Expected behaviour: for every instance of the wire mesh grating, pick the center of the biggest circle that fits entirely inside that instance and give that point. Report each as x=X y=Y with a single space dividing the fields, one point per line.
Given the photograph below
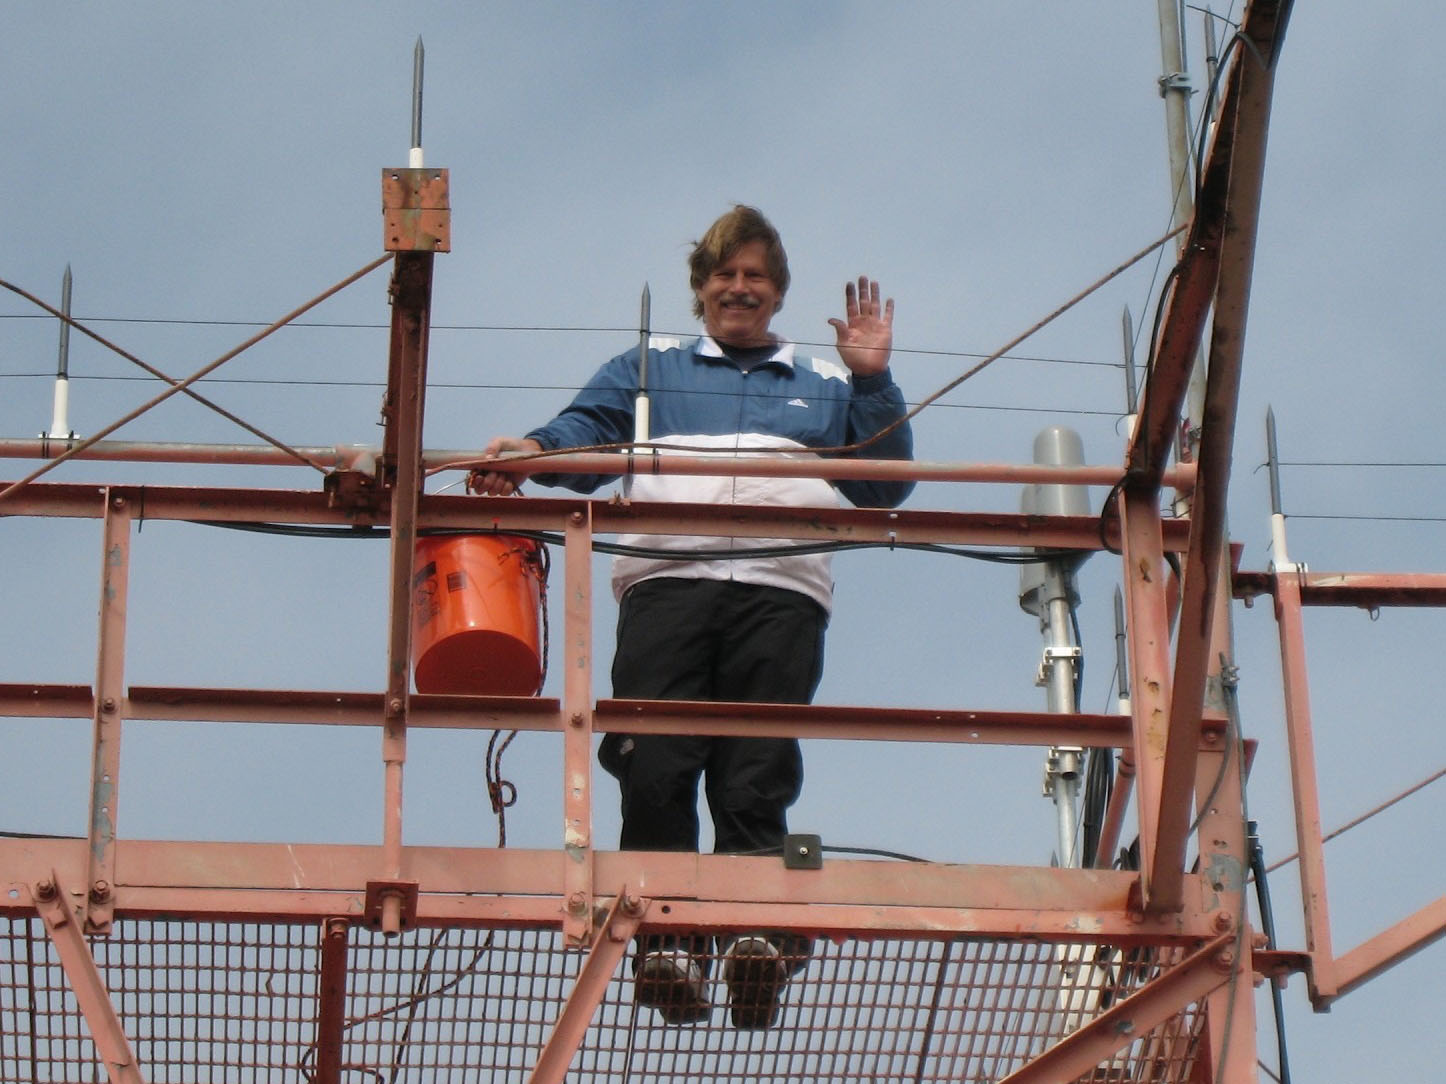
x=238 y=1002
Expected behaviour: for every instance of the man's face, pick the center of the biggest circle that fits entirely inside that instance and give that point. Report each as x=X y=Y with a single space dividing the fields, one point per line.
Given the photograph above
x=739 y=298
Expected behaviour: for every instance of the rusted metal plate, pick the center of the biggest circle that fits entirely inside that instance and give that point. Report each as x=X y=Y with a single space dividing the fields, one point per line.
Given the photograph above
x=416 y=211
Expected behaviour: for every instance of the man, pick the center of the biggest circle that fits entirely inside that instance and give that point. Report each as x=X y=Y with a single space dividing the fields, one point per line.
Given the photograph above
x=750 y=628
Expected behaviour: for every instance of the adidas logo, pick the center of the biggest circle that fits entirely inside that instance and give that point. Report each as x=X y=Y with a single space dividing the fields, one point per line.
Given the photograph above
x=798 y=402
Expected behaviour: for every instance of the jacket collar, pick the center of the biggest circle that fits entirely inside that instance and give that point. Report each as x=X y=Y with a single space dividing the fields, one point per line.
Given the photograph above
x=706 y=347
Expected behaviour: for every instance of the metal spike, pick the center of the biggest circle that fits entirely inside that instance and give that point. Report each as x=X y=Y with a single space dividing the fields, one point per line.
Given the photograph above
x=645 y=323
x=418 y=59
x=1272 y=460
x=1122 y=661
x=1131 y=391
x=63 y=369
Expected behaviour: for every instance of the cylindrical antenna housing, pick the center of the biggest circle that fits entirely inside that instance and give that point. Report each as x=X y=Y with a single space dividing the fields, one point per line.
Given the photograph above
x=1056 y=446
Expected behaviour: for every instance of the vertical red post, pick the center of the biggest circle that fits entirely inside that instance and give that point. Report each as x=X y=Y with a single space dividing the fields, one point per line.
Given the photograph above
x=415 y=209
x=331 y=1001
x=107 y=713
x=1304 y=787
x=577 y=725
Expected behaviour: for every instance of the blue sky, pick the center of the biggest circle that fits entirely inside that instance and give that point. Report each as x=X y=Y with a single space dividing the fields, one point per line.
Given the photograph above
x=983 y=161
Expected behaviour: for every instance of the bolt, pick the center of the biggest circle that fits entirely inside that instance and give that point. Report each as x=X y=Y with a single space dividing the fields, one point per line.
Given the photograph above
x=632 y=905
x=394 y=705
x=576 y=718
x=108 y=704
x=45 y=890
x=1211 y=737
x=117 y=502
x=577 y=517
x=100 y=892
x=577 y=903
x=1223 y=922
x=1225 y=960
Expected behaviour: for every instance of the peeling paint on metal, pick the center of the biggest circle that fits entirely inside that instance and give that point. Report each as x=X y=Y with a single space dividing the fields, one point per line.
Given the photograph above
x=298 y=875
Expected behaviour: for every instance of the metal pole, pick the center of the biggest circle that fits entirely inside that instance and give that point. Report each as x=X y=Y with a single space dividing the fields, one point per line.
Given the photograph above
x=1175 y=89
x=1062 y=770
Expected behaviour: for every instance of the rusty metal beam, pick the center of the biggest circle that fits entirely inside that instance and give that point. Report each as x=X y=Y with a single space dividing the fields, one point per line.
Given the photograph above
x=144 y=703
x=1388 y=948
x=108 y=711
x=1149 y=646
x=50 y=898
x=1206 y=561
x=331 y=1000
x=254 y=882
x=1366 y=590
x=577 y=727
x=417 y=224
x=901 y=527
x=1300 y=741
x=603 y=957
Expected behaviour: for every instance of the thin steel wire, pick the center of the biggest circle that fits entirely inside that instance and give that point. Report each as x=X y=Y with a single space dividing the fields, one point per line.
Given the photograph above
x=181 y=386
x=68 y=321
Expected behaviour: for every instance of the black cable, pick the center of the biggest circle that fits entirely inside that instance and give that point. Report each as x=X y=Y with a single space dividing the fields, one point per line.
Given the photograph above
x=1099 y=783
x=769 y=852
x=619 y=549
x=1267 y=920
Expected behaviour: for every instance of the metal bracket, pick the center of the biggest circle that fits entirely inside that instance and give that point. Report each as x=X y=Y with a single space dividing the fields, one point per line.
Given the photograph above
x=1051 y=657
x=802 y=852
x=1061 y=762
x=416 y=210
x=381 y=893
x=1176 y=81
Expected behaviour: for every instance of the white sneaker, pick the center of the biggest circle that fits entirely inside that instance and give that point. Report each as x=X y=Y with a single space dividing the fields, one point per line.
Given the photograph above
x=755 y=975
x=671 y=981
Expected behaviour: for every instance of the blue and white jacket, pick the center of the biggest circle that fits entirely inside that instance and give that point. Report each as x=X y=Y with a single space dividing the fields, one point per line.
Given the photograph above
x=698 y=397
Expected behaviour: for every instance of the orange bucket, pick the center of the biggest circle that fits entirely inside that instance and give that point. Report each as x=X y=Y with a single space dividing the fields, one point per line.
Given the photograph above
x=475 y=603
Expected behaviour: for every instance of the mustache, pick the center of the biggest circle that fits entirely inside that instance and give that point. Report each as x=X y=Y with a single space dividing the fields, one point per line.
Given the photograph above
x=745 y=300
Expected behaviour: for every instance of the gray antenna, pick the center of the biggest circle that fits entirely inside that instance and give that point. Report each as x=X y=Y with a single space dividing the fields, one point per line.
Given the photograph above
x=1212 y=53
x=1132 y=394
x=1272 y=460
x=1122 y=654
x=1279 y=557
x=59 y=421
x=419 y=55
x=641 y=421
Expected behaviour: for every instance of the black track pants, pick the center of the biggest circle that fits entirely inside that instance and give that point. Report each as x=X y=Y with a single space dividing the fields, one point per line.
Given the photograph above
x=711 y=640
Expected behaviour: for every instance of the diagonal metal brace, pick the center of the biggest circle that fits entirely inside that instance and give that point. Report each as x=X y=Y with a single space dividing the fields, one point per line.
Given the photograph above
x=604 y=954
x=63 y=926
x=1207 y=969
